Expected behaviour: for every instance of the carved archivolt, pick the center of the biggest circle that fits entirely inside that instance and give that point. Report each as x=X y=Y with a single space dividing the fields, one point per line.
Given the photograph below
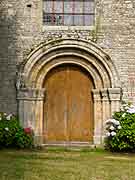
x=91 y=57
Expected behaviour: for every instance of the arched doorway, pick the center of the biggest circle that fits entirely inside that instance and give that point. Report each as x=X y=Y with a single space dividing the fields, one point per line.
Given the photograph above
x=68 y=106
x=51 y=62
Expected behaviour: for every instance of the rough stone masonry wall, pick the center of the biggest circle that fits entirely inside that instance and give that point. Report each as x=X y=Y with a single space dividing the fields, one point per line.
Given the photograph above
x=119 y=40
x=21 y=30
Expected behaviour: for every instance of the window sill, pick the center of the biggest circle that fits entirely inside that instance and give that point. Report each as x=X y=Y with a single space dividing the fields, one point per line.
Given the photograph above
x=66 y=28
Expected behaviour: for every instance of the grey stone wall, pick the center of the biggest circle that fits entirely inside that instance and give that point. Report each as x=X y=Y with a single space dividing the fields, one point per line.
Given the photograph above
x=21 y=30
x=118 y=25
x=8 y=58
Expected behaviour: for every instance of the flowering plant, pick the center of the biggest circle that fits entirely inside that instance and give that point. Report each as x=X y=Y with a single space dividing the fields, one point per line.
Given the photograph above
x=120 y=134
x=12 y=134
x=112 y=126
x=28 y=130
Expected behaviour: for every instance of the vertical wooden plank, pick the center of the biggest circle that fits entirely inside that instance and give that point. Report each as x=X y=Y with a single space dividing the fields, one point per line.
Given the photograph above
x=80 y=106
x=56 y=106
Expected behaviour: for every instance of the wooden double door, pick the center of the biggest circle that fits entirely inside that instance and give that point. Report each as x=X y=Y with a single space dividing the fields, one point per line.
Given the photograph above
x=68 y=106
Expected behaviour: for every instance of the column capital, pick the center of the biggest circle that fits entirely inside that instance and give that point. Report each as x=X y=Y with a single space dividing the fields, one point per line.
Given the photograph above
x=96 y=94
x=114 y=94
x=31 y=94
x=104 y=94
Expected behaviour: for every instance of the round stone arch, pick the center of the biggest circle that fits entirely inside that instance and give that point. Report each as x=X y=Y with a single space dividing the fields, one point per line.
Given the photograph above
x=94 y=60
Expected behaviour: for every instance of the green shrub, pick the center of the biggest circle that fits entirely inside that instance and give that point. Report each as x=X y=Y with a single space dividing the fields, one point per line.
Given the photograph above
x=121 y=130
x=23 y=140
x=12 y=134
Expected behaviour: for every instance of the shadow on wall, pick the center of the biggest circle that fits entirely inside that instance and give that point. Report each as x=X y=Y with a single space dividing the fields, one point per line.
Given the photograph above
x=8 y=53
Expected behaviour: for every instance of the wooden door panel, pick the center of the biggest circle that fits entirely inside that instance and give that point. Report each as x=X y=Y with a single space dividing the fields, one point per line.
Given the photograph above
x=56 y=106
x=80 y=121
x=68 y=113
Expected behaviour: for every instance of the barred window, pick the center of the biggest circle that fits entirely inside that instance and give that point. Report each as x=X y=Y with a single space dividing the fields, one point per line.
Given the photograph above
x=68 y=12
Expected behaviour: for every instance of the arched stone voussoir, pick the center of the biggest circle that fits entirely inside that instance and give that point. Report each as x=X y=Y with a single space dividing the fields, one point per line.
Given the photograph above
x=40 y=78
x=96 y=71
x=105 y=67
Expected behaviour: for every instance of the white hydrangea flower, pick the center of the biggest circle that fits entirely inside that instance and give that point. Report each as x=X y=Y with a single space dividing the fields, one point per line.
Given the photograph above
x=113 y=133
x=131 y=110
x=0 y=118
x=9 y=117
x=7 y=129
x=111 y=120
x=123 y=115
x=126 y=108
x=124 y=105
x=119 y=127
x=117 y=122
x=108 y=121
x=112 y=128
x=108 y=134
x=114 y=121
x=5 y=114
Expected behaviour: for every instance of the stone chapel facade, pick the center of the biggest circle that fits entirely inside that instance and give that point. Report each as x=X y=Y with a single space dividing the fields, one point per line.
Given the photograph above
x=65 y=66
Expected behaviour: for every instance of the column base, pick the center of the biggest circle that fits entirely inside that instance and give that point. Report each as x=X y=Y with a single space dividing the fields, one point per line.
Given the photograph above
x=38 y=140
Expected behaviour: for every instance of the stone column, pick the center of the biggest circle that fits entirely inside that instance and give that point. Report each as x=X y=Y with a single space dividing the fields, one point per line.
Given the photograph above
x=30 y=102
x=97 y=117
x=114 y=96
x=106 y=109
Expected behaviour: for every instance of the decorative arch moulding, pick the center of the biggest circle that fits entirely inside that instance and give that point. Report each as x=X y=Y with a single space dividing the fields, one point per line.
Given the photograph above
x=93 y=54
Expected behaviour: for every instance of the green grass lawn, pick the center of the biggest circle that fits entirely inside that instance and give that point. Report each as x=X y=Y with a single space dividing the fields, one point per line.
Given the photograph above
x=66 y=165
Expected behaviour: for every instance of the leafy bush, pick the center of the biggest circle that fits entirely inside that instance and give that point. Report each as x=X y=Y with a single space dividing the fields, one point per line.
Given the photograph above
x=12 y=134
x=120 y=134
x=23 y=140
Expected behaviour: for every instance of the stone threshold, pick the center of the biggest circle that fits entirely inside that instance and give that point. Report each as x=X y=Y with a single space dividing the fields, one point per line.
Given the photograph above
x=70 y=144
